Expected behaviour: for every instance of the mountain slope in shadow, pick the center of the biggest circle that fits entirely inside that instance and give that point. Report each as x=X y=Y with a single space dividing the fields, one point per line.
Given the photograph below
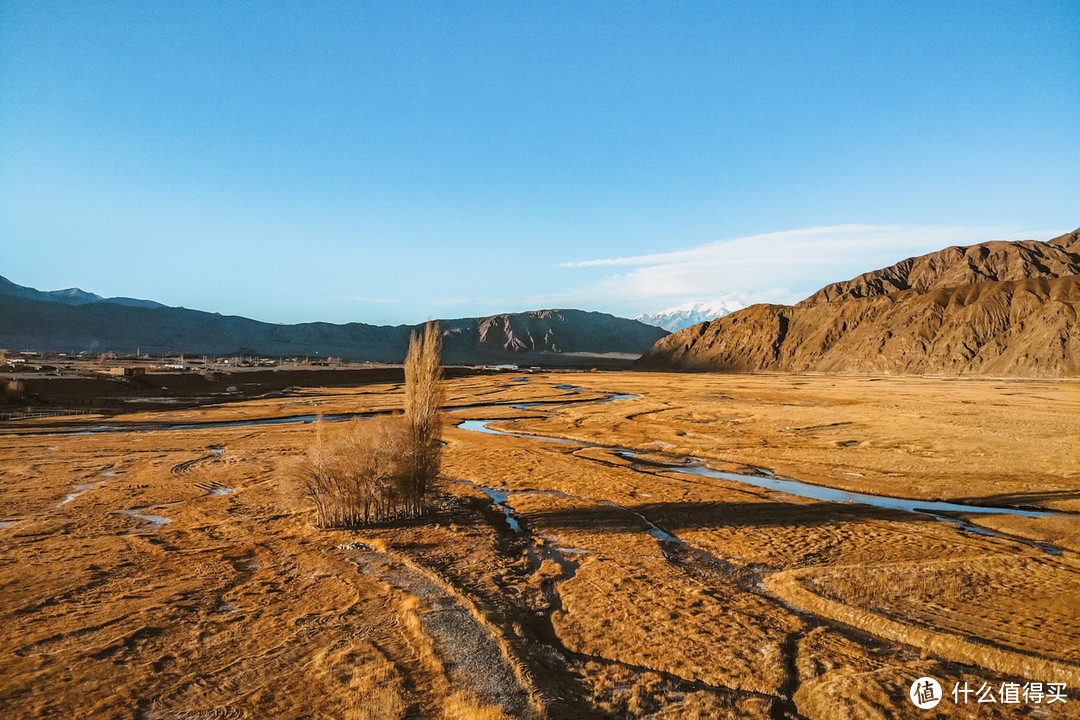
x=73 y=320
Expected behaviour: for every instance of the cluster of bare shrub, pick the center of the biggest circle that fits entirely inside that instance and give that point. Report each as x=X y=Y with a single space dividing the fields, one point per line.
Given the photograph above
x=383 y=468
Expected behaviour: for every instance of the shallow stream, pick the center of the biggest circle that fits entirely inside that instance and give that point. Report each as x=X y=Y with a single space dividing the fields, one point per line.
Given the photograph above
x=939 y=510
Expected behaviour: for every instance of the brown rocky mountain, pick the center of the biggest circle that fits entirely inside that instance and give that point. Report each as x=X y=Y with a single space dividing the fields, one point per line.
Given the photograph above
x=956 y=266
x=999 y=326
x=549 y=332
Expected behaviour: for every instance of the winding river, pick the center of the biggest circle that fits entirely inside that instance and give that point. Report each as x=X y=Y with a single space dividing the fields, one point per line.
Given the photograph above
x=692 y=466
x=937 y=509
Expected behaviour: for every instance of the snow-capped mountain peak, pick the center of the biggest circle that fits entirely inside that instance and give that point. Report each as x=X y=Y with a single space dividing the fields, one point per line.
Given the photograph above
x=691 y=313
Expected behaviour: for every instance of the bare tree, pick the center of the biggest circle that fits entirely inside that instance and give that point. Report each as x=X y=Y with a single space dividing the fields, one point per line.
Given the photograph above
x=424 y=397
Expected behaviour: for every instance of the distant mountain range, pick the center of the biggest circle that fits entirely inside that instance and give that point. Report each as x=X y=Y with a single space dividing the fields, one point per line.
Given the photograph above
x=74 y=320
x=996 y=308
x=689 y=314
x=70 y=296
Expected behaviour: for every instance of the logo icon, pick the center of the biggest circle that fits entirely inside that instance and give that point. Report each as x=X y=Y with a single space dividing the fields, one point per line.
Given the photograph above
x=925 y=693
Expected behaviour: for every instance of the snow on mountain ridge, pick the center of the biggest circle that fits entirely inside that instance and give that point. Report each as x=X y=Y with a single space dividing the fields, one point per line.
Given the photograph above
x=691 y=313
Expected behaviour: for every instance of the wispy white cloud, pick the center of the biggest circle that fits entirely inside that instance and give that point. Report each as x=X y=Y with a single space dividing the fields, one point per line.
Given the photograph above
x=779 y=267
x=360 y=298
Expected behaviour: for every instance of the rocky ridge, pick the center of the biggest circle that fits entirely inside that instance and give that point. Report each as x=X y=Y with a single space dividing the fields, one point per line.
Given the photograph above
x=997 y=308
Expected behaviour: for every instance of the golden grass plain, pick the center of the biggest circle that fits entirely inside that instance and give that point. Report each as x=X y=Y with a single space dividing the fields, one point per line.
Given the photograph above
x=769 y=605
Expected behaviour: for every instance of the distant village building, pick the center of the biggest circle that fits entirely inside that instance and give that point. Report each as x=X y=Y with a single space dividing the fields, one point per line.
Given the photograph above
x=127 y=371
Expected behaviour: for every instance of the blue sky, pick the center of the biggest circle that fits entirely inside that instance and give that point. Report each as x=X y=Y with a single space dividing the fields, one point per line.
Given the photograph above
x=390 y=162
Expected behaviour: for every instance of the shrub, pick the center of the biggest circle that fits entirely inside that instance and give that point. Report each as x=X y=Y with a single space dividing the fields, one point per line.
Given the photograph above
x=379 y=469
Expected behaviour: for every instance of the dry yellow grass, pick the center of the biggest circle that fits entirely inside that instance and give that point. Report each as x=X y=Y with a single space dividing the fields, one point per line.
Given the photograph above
x=463 y=706
x=378 y=691
x=238 y=606
x=1013 y=616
